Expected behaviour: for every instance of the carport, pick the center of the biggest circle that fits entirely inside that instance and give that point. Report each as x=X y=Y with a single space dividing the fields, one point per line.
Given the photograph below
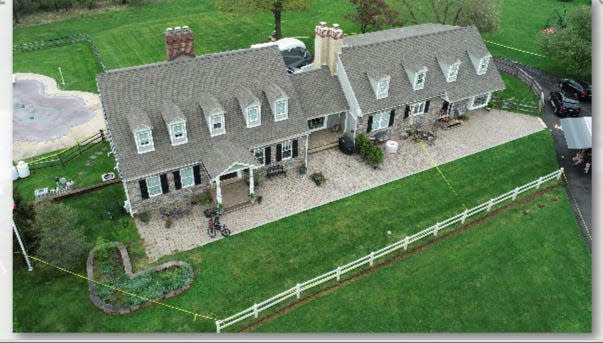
x=578 y=132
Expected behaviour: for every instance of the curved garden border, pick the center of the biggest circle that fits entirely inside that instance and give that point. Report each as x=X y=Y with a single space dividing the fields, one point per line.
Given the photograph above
x=123 y=309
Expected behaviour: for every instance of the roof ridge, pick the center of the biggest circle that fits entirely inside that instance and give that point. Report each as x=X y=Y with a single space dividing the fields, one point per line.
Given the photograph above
x=417 y=36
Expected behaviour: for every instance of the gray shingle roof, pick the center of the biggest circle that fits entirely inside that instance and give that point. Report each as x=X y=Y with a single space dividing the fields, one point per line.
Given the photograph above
x=184 y=81
x=273 y=92
x=395 y=50
x=137 y=118
x=170 y=111
x=245 y=97
x=209 y=104
x=319 y=92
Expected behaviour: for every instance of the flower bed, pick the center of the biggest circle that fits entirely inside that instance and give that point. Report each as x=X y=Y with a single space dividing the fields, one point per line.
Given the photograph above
x=119 y=291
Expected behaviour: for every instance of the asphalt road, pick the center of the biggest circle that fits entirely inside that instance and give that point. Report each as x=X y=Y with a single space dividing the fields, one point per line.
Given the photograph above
x=579 y=184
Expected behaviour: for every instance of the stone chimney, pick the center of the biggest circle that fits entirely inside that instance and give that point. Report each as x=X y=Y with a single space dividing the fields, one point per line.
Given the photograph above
x=179 y=41
x=321 y=44
x=335 y=45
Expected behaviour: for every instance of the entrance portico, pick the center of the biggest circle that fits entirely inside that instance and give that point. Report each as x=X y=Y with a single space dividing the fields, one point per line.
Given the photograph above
x=234 y=174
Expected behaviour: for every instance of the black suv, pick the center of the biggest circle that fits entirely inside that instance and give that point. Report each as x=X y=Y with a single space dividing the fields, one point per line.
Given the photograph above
x=564 y=104
x=581 y=89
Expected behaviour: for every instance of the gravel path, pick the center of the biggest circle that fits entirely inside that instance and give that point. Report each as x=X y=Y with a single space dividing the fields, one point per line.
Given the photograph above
x=346 y=175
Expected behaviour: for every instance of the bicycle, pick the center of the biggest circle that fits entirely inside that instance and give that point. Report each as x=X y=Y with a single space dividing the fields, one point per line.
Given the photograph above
x=214 y=226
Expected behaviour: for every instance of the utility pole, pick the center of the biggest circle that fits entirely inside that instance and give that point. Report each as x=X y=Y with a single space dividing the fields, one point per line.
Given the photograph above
x=29 y=267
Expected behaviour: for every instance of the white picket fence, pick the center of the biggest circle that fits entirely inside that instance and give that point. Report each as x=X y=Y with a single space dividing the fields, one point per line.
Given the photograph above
x=369 y=259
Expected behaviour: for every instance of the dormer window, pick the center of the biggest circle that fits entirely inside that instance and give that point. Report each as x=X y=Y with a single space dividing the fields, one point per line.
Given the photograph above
x=217 y=124
x=453 y=71
x=383 y=88
x=420 y=79
x=178 y=133
x=253 y=116
x=281 y=108
x=483 y=65
x=379 y=81
x=144 y=141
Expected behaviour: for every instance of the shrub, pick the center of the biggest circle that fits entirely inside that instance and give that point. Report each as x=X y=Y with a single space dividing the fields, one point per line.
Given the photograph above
x=204 y=198
x=375 y=155
x=23 y=215
x=369 y=151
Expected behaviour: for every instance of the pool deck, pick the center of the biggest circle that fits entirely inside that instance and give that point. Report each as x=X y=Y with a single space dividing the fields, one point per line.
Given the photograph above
x=23 y=149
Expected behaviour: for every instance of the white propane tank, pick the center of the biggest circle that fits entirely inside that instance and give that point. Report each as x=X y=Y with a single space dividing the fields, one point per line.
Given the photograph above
x=15 y=173
x=23 y=169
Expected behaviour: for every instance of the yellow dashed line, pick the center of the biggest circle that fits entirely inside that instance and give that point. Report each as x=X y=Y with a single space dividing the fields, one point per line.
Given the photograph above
x=516 y=49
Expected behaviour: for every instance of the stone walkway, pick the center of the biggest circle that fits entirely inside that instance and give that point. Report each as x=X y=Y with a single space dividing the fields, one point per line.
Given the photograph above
x=346 y=175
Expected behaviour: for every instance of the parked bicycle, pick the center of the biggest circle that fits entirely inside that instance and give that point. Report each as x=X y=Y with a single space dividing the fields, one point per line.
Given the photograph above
x=214 y=226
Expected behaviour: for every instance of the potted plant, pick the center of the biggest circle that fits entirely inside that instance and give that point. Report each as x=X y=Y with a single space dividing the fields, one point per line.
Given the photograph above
x=252 y=197
x=220 y=208
x=302 y=171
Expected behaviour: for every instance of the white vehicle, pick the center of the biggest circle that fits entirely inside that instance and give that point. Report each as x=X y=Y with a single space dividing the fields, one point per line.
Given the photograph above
x=294 y=53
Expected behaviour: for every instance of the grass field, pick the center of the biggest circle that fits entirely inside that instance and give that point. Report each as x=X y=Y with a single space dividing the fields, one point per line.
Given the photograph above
x=515 y=88
x=471 y=283
x=133 y=36
x=233 y=273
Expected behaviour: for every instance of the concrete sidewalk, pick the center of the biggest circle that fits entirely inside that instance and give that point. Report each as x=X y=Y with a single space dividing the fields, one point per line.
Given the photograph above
x=347 y=175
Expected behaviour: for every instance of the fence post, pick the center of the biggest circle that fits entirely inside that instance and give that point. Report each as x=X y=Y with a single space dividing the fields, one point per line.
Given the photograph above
x=61 y=160
x=490 y=205
x=255 y=310
x=464 y=217
x=515 y=193
x=437 y=228
x=561 y=171
x=297 y=290
x=79 y=148
x=539 y=182
x=338 y=273
x=102 y=134
x=406 y=242
x=218 y=328
x=372 y=258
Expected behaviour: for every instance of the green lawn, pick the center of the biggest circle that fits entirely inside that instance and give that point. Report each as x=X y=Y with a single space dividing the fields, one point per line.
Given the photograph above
x=85 y=170
x=515 y=88
x=233 y=273
x=513 y=273
x=133 y=36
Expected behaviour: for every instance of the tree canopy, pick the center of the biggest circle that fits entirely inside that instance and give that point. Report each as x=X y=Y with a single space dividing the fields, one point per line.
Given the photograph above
x=481 y=13
x=374 y=14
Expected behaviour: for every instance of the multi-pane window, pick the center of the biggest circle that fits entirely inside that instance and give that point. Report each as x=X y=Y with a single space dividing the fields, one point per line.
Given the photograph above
x=453 y=71
x=380 y=121
x=144 y=141
x=316 y=123
x=253 y=116
x=178 y=131
x=480 y=101
x=153 y=185
x=217 y=124
x=287 y=150
x=483 y=65
x=417 y=109
x=259 y=155
x=420 y=80
x=281 y=109
x=187 y=178
x=382 y=88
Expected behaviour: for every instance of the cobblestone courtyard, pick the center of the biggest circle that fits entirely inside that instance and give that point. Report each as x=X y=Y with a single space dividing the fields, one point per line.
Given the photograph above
x=347 y=175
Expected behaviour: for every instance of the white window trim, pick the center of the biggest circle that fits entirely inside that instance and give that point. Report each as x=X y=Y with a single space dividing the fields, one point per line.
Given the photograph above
x=452 y=77
x=290 y=143
x=154 y=177
x=483 y=68
x=324 y=124
x=383 y=118
x=259 y=111
x=146 y=148
x=385 y=93
x=418 y=105
x=417 y=86
x=222 y=130
x=283 y=116
x=192 y=177
x=471 y=106
x=181 y=140
x=255 y=152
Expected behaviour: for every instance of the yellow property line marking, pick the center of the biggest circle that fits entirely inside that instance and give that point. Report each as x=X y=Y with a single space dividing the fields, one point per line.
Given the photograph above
x=516 y=49
x=586 y=228
x=195 y=315
x=433 y=162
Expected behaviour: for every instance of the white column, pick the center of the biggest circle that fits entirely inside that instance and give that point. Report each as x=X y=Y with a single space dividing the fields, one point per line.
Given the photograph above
x=306 y=152
x=218 y=191
x=251 y=190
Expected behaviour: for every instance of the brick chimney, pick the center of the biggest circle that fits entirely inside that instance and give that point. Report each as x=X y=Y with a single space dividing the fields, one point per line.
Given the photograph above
x=335 y=45
x=321 y=44
x=179 y=41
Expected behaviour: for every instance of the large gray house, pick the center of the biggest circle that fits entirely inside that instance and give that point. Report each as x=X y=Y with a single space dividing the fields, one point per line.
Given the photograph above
x=180 y=127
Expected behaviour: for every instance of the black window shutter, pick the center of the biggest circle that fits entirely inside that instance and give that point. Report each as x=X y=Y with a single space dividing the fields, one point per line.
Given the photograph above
x=164 y=184
x=369 y=124
x=177 y=181
x=427 y=106
x=197 y=174
x=407 y=111
x=295 y=151
x=144 y=192
x=279 y=152
x=391 y=117
x=267 y=155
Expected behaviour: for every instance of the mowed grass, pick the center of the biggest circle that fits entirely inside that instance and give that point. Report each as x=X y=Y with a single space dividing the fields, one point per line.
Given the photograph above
x=232 y=274
x=512 y=273
x=133 y=36
x=515 y=88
